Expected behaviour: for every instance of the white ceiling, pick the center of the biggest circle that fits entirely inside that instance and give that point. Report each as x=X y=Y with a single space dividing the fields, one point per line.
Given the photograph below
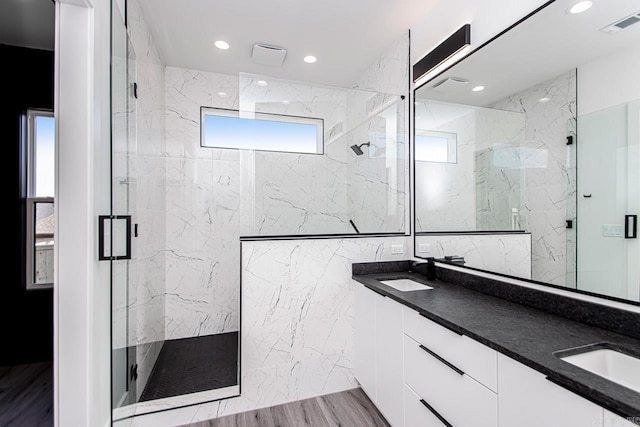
x=27 y=23
x=345 y=36
x=544 y=46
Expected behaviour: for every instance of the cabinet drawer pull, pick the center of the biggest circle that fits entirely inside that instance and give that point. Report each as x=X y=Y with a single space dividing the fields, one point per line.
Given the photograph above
x=442 y=324
x=434 y=412
x=442 y=360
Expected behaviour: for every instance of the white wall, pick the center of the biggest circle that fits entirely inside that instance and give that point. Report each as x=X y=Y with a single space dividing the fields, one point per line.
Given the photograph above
x=609 y=81
x=82 y=346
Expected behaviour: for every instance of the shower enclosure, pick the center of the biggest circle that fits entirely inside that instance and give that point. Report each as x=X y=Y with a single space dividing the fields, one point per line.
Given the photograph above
x=181 y=202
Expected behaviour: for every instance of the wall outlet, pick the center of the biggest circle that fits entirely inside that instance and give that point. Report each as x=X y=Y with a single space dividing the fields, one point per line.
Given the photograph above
x=612 y=230
x=424 y=248
x=397 y=249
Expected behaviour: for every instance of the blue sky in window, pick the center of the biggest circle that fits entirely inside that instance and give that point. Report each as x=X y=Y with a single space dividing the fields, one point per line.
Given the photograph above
x=431 y=148
x=45 y=166
x=256 y=134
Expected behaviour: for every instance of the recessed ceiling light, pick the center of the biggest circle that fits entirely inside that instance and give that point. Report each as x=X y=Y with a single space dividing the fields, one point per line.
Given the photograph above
x=478 y=88
x=261 y=83
x=545 y=99
x=580 y=7
x=286 y=102
x=310 y=59
x=222 y=94
x=220 y=44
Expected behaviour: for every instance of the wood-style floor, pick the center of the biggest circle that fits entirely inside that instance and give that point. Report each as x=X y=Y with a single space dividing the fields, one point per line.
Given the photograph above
x=351 y=408
x=26 y=395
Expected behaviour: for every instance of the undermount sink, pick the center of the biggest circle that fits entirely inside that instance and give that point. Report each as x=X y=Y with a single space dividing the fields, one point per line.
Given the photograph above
x=405 y=285
x=609 y=363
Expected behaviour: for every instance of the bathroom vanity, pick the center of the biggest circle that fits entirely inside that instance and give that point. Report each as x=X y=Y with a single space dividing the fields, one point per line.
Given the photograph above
x=458 y=355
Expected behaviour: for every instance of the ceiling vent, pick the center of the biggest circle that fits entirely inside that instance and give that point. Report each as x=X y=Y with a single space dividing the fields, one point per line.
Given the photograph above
x=264 y=54
x=622 y=24
x=451 y=83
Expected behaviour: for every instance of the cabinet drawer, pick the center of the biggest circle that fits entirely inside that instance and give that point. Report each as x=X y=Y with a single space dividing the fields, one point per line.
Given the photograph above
x=416 y=414
x=459 y=399
x=476 y=360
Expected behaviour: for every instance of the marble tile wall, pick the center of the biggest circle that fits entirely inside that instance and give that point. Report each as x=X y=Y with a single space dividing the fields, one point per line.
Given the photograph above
x=216 y=195
x=549 y=189
x=379 y=178
x=502 y=253
x=498 y=168
x=297 y=324
x=203 y=208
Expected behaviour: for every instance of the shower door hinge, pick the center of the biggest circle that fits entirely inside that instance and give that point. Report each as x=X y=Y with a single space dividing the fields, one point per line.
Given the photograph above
x=569 y=223
x=134 y=372
x=135 y=90
x=569 y=139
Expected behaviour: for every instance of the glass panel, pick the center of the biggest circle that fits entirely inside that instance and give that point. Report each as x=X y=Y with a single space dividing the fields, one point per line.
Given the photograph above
x=607 y=261
x=43 y=243
x=44 y=156
x=123 y=282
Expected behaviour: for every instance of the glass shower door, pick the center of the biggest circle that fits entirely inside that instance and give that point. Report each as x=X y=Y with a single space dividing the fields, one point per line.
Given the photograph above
x=119 y=228
x=609 y=201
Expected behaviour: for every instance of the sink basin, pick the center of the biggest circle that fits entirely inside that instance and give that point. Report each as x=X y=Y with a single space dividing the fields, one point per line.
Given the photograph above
x=611 y=364
x=405 y=285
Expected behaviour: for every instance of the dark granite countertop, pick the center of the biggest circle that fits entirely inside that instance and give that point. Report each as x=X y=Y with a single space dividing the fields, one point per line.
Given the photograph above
x=528 y=335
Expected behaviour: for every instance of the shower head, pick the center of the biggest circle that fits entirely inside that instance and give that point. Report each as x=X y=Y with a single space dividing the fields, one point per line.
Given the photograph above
x=358 y=150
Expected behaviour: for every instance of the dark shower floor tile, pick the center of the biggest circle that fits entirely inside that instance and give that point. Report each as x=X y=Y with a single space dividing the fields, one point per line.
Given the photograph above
x=190 y=365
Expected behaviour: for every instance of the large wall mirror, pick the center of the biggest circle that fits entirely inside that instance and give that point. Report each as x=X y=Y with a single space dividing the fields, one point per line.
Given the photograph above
x=527 y=152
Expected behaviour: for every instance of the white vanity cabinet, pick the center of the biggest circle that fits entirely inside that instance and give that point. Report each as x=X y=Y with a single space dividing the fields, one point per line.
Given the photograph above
x=422 y=374
x=378 y=352
x=527 y=399
x=451 y=376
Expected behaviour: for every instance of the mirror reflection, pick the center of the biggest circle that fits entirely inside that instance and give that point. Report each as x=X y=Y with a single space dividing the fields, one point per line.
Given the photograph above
x=526 y=153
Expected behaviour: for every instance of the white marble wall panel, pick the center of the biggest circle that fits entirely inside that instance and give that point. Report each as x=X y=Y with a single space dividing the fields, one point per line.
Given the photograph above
x=502 y=253
x=203 y=221
x=297 y=325
x=499 y=169
x=549 y=188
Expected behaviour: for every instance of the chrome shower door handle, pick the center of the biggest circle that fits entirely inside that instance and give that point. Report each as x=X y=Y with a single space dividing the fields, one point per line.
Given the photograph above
x=630 y=226
x=114 y=237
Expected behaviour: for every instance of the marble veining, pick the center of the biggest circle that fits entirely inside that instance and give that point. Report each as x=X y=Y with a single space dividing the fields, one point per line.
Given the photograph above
x=550 y=180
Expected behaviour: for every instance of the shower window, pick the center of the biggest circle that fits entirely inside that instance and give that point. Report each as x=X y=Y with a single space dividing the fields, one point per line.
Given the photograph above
x=432 y=146
x=40 y=184
x=222 y=128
